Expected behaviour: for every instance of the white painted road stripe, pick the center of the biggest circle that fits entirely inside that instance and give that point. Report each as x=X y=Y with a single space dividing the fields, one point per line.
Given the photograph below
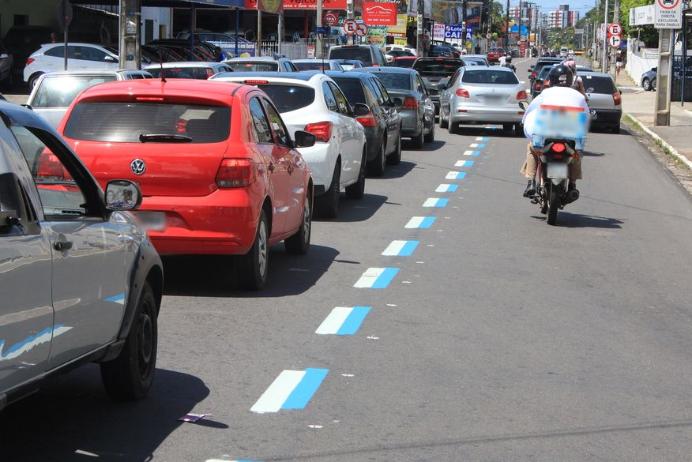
x=444 y=187
x=453 y=175
x=333 y=322
x=376 y=278
x=435 y=202
x=464 y=163
x=420 y=222
x=278 y=392
x=400 y=248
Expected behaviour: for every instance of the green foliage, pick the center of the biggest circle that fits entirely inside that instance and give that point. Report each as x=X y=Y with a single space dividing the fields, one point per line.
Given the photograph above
x=557 y=38
x=646 y=33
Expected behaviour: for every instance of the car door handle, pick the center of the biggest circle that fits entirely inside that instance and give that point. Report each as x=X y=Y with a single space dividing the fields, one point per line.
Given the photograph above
x=61 y=245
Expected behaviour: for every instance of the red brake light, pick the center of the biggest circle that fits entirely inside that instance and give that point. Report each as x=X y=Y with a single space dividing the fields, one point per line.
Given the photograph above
x=521 y=96
x=558 y=147
x=617 y=98
x=463 y=92
x=149 y=98
x=321 y=130
x=29 y=61
x=367 y=120
x=49 y=166
x=410 y=103
x=235 y=173
x=256 y=82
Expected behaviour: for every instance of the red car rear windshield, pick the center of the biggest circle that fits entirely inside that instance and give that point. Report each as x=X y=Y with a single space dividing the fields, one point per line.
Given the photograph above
x=125 y=122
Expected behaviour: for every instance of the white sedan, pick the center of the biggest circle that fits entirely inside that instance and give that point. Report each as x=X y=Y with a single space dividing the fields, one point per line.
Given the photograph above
x=313 y=102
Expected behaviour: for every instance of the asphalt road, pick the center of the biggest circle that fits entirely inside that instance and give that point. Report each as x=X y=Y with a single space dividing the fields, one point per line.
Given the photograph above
x=499 y=338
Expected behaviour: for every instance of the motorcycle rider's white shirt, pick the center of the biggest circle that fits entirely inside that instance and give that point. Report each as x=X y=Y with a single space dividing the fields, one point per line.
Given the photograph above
x=553 y=96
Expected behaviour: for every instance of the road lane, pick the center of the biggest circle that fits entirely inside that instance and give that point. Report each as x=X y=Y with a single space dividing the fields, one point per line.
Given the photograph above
x=498 y=338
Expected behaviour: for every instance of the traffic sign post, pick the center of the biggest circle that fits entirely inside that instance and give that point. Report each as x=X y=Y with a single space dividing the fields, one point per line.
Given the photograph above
x=361 y=30
x=614 y=41
x=350 y=27
x=331 y=19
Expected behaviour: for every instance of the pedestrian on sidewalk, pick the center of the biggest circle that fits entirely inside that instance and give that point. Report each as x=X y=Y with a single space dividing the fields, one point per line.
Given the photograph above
x=618 y=63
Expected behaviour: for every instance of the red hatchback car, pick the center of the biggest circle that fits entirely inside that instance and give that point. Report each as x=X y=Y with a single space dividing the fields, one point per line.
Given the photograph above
x=217 y=167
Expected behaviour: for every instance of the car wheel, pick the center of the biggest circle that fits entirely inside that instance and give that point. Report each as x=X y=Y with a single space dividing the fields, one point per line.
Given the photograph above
x=419 y=139
x=443 y=120
x=453 y=128
x=430 y=137
x=299 y=243
x=646 y=84
x=129 y=376
x=508 y=128
x=33 y=79
x=615 y=129
x=357 y=189
x=518 y=129
x=395 y=157
x=328 y=203
x=377 y=165
x=254 y=265
x=653 y=85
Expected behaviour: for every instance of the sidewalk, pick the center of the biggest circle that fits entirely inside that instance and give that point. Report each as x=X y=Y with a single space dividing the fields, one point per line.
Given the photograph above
x=639 y=105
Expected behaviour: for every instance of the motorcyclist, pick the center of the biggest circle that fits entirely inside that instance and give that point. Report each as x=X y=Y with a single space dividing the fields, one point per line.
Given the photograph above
x=559 y=94
x=577 y=82
x=508 y=63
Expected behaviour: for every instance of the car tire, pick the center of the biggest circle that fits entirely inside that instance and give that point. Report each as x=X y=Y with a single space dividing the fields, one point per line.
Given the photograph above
x=646 y=84
x=453 y=128
x=357 y=189
x=395 y=157
x=653 y=85
x=419 y=139
x=328 y=203
x=615 y=129
x=518 y=129
x=129 y=376
x=430 y=137
x=299 y=243
x=508 y=129
x=33 y=79
x=254 y=265
x=443 y=121
x=377 y=165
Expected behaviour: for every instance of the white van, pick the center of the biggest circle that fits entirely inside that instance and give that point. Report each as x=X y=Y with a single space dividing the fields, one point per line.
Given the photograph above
x=564 y=52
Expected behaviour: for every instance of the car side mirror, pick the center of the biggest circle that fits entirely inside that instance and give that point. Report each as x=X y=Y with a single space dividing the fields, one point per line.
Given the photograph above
x=304 y=139
x=360 y=109
x=110 y=59
x=122 y=195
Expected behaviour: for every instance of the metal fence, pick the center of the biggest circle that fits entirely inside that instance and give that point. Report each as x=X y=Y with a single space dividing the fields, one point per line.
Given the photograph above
x=681 y=68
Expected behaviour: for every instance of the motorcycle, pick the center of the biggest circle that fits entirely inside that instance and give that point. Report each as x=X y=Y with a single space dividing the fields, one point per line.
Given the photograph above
x=552 y=192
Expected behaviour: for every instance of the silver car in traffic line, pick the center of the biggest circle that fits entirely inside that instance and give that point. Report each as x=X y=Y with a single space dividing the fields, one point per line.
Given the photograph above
x=79 y=279
x=482 y=95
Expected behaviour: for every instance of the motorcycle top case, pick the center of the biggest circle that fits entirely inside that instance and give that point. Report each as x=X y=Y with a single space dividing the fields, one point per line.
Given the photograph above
x=561 y=123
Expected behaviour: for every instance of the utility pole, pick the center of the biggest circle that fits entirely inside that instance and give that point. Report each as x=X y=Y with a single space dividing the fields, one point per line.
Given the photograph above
x=663 y=78
x=318 y=44
x=419 y=29
x=604 y=66
x=258 y=45
x=507 y=27
x=130 y=54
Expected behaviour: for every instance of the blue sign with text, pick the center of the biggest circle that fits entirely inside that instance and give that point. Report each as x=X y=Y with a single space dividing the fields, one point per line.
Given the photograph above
x=454 y=31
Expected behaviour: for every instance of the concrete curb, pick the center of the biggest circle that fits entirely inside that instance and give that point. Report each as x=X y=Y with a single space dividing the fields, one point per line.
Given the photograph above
x=674 y=152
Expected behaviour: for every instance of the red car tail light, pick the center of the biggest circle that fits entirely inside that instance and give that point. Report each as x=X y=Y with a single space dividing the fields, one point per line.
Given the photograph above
x=321 y=130
x=367 y=120
x=235 y=173
x=410 y=103
x=29 y=61
x=617 y=98
x=521 y=96
x=256 y=82
x=50 y=167
x=463 y=92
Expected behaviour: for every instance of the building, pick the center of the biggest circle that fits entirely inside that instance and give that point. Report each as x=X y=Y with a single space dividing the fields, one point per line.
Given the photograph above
x=561 y=18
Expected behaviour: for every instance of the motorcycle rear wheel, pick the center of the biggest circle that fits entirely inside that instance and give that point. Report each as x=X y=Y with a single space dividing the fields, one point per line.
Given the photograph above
x=555 y=193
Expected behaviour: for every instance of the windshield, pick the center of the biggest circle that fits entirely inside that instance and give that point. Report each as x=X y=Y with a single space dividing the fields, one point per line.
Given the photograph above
x=199 y=73
x=125 y=122
x=359 y=53
x=437 y=67
x=393 y=81
x=289 y=97
x=253 y=66
x=352 y=89
x=60 y=91
x=312 y=66
x=598 y=84
x=489 y=76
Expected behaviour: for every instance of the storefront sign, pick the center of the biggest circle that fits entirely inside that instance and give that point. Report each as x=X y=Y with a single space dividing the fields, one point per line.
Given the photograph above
x=379 y=14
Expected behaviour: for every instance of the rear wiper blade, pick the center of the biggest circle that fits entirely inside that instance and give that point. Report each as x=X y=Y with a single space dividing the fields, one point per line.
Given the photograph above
x=173 y=138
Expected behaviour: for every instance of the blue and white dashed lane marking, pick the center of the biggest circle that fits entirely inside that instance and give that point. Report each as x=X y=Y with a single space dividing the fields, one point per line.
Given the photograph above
x=472 y=153
x=290 y=390
x=420 y=223
x=234 y=460
x=454 y=175
x=343 y=320
x=376 y=278
x=477 y=145
x=482 y=138
x=436 y=202
x=400 y=248
x=444 y=187
x=463 y=163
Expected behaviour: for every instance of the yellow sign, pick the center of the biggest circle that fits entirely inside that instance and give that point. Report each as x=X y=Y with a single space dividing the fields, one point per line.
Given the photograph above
x=400 y=28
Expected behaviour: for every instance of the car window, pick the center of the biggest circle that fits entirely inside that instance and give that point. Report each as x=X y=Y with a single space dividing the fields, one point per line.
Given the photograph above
x=61 y=197
x=288 y=97
x=56 y=52
x=383 y=92
x=375 y=89
x=128 y=122
x=437 y=67
x=277 y=125
x=260 y=122
x=420 y=87
x=395 y=81
x=360 y=53
x=198 y=73
x=94 y=54
x=253 y=66
x=329 y=98
x=341 y=100
x=489 y=76
x=353 y=90
x=60 y=91
x=598 y=84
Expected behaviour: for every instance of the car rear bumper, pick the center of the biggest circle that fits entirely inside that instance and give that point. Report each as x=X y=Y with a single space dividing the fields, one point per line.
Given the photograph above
x=221 y=223
x=462 y=114
x=409 y=123
x=606 y=117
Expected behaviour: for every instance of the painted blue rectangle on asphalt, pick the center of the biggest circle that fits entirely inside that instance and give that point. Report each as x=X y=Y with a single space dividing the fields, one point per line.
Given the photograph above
x=408 y=248
x=385 y=278
x=301 y=395
x=354 y=320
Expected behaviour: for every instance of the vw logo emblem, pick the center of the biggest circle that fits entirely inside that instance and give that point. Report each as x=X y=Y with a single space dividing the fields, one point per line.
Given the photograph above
x=138 y=166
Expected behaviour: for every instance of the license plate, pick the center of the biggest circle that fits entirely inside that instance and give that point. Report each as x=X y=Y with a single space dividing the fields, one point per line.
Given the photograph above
x=557 y=170
x=152 y=221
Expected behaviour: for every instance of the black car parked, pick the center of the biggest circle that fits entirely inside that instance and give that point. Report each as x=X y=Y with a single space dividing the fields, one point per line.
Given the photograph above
x=382 y=122
x=436 y=71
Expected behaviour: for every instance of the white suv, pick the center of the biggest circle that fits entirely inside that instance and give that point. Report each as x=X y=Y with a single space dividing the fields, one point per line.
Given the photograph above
x=313 y=102
x=80 y=56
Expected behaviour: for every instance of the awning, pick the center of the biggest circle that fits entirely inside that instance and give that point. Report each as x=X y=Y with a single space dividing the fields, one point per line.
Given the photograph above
x=172 y=3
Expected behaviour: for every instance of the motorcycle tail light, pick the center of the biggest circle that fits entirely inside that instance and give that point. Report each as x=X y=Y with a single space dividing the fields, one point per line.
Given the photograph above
x=235 y=173
x=367 y=120
x=463 y=92
x=558 y=148
x=410 y=103
x=321 y=130
x=617 y=98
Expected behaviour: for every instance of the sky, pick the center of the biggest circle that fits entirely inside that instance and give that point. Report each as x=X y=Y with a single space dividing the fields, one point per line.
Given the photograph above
x=547 y=5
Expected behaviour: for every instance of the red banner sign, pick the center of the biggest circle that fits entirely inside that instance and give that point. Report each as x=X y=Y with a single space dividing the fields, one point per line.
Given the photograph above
x=303 y=4
x=379 y=14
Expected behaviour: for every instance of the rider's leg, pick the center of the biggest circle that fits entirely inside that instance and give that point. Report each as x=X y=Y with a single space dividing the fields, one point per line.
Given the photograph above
x=529 y=171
